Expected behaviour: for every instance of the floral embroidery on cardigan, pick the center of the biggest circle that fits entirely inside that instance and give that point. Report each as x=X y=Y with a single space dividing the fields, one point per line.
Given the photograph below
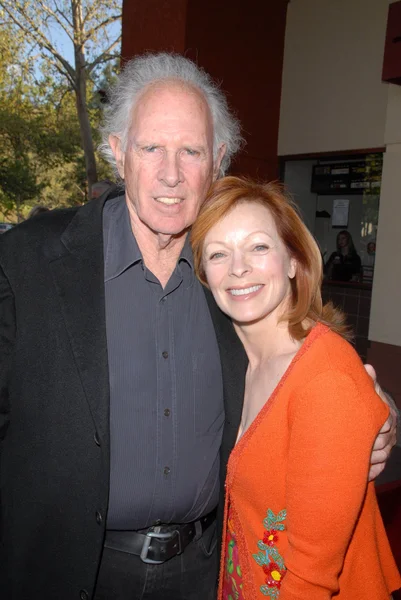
x=233 y=585
x=269 y=557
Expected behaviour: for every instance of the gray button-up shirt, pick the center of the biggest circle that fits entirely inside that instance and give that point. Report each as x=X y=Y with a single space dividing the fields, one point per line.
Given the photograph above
x=166 y=392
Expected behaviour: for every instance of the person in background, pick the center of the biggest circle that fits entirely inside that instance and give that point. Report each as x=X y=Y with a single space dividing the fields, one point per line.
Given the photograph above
x=121 y=381
x=368 y=262
x=371 y=249
x=37 y=210
x=100 y=187
x=301 y=520
x=344 y=264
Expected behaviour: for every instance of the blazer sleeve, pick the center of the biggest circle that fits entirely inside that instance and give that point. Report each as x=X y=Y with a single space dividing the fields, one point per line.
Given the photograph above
x=333 y=423
x=7 y=337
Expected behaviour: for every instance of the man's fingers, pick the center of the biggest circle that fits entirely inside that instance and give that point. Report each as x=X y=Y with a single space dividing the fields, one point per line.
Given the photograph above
x=371 y=372
x=375 y=471
x=388 y=433
x=380 y=456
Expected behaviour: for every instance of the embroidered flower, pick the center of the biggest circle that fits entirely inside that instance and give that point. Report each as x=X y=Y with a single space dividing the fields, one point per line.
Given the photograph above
x=269 y=557
x=274 y=575
x=270 y=537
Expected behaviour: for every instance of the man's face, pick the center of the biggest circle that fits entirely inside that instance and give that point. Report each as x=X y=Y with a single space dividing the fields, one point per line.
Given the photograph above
x=168 y=162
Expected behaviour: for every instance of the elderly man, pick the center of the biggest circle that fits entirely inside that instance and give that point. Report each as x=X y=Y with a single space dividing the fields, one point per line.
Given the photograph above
x=115 y=364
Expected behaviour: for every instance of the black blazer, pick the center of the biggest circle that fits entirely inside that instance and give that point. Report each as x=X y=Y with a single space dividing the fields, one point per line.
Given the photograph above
x=54 y=404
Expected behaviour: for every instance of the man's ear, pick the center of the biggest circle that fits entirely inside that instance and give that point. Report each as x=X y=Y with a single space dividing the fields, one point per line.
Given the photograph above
x=217 y=162
x=119 y=155
x=292 y=268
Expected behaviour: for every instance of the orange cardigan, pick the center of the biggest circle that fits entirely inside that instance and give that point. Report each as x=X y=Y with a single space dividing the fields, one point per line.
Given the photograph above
x=297 y=484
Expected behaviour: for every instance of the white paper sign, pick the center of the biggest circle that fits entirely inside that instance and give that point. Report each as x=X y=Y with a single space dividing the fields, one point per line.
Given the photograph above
x=340 y=213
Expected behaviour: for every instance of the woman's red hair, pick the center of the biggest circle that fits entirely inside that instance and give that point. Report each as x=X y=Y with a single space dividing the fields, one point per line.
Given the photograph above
x=306 y=302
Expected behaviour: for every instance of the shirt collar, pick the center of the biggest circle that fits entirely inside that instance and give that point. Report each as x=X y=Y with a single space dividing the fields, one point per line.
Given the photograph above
x=121 y=249
x=186 y=253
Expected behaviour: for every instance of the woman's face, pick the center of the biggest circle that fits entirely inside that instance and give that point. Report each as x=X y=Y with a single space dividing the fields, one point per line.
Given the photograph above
x=342 y=240
x=247 y=266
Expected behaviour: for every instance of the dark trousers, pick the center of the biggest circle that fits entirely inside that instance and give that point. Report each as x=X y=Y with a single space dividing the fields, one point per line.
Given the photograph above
x=190 y=576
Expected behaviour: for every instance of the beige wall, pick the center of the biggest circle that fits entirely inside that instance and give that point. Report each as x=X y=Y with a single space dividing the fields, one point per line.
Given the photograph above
x=332 y=94
x=385 y=320
x=333 y=100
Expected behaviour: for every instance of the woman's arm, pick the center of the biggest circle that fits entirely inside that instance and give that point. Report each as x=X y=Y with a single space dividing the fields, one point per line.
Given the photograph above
x=333 y=425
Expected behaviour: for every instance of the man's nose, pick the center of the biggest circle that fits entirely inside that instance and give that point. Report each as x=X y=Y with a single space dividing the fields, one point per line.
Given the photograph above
x=239 y=265
x=170 y=170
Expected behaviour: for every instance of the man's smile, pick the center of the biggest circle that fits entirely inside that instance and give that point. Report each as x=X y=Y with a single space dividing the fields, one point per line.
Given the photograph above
x=167 y=200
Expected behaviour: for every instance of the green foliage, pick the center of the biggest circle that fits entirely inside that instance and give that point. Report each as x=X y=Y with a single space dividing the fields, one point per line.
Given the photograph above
x=41 y=131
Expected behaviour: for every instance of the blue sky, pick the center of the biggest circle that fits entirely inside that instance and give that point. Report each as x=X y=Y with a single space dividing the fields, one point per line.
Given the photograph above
x=64 y=45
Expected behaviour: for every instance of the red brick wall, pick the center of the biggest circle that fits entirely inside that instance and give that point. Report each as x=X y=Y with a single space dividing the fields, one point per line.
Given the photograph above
x=239 y=43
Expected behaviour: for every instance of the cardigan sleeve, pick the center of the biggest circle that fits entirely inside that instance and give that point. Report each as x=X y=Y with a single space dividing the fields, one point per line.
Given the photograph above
x=333 y=423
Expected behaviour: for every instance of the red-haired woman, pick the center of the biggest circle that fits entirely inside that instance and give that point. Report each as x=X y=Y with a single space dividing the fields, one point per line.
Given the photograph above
x=301 y=521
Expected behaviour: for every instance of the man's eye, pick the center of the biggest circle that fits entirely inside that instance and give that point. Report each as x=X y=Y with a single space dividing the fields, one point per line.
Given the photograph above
x=150 y=149
x=191 y=152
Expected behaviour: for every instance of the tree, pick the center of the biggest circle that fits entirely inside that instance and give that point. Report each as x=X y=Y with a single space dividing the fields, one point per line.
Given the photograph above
x=41 y=158
x=18 y=173
x=88 y=26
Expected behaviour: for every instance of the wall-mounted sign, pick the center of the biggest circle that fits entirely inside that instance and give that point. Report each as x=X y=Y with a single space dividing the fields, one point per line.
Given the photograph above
x=353 y=177
x=339 y=217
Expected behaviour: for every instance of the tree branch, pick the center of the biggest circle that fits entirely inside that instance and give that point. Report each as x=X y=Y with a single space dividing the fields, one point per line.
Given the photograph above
x=101 y=25
x=62 y=14
x=39 y=38
x=51 y=13
x=103 y=60
x=91 y=11
x=59 y=68
x=104 y=57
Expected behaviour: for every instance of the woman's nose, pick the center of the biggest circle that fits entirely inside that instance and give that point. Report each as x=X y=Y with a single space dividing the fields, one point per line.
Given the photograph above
x=239 y=265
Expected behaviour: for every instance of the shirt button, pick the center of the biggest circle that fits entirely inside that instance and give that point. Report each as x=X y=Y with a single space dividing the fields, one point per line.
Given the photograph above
x=99 y=518
x=166 y=470
x=83 y=594
x=166 y=412
x=165 y=354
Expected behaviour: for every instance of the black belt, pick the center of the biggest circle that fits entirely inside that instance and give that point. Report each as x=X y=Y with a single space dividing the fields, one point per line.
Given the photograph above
x=159 y=543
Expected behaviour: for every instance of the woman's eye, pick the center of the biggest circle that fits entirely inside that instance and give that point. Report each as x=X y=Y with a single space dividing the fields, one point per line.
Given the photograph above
x=216 y=255
x=261 y=247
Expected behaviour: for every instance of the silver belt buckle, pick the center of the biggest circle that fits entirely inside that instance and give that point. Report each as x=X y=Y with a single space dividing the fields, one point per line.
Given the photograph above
x=162 y=536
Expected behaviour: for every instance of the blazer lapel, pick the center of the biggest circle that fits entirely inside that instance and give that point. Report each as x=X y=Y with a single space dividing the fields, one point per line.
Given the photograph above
x=78 y=275
x=234 y=364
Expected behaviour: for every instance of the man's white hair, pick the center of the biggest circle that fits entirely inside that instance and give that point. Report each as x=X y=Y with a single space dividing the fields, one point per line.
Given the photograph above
x=144 y=70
